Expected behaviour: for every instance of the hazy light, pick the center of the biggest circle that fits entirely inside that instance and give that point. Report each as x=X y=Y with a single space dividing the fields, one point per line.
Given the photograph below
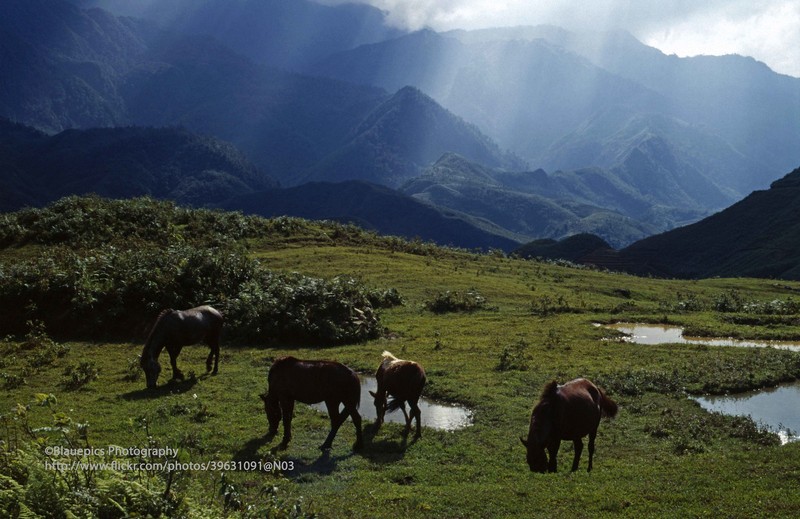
x=764 y=29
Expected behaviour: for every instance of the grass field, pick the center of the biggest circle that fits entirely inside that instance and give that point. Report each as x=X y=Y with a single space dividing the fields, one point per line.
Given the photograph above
x=663 y=456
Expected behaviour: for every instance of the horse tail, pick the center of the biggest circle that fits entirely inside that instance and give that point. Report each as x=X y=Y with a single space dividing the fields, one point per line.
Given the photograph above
x=608 y=407
x=394 y=404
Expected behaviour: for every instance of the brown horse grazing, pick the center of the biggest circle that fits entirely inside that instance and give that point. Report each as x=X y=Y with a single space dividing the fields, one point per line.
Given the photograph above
x=403 y=380
x=567 y=412
x=175 y=329
x=310 y=382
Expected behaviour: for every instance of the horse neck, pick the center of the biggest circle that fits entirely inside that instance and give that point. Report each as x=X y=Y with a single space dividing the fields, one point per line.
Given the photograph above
x=155 y=341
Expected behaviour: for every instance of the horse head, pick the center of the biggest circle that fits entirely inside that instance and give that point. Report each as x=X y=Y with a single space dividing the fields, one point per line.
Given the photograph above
x=151 y=369
x=538 y=437
x=272 y=409
x=380 y=406
x=536 y=457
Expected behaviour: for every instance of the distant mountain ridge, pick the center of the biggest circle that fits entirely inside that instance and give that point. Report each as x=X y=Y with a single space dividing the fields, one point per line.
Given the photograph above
x=758 y=236
x=566 y=100
x=121 y=163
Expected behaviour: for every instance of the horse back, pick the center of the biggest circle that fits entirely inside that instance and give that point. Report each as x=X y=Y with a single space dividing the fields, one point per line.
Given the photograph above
x=311 y=381
x=577 y=409
x=402 y=379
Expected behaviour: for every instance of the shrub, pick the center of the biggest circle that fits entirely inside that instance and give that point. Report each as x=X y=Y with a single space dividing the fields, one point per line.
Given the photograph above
x=448 y=301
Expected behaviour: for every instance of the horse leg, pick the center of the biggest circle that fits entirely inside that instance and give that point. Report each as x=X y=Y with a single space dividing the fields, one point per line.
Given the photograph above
x=416 y=413
x=337 y=419
x=357 y=423
x=173 y=361
x=406 y=417
x=552 y=450
x=578 y=450
x=592 y=436
x=287 y=411
x=213 y=343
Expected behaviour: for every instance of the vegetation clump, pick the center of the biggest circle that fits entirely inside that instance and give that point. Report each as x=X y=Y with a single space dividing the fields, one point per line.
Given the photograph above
x=456 y=301
x=135 y=272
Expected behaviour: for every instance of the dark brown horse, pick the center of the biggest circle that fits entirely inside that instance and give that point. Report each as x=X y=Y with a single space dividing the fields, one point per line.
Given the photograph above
x=403 y=380
x=567 y=412
x=175 y=329
x=310 y=382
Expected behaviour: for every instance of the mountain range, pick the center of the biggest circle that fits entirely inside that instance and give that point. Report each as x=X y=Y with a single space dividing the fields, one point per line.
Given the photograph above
x=516 y=133
x=758 y=236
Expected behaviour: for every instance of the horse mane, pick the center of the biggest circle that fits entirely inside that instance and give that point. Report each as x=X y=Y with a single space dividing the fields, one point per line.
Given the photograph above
x=388 y=359
x=152 y=334
x=549 y=392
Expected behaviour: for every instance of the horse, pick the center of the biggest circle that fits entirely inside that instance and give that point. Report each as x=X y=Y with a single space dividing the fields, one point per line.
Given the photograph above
x=310 y=382
x=175 y=329
x=403 y=380
x=567 y=412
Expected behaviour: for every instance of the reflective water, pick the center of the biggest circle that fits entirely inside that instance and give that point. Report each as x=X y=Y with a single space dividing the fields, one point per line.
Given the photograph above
x=777 y=408
x=662 y=334
x=440 y=416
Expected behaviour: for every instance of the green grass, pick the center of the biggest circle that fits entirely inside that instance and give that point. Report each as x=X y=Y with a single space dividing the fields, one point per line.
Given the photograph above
x=662 y=456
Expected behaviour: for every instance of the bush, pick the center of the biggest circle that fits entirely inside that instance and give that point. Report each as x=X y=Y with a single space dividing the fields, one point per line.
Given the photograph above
x=110 y=292
x=468 y=301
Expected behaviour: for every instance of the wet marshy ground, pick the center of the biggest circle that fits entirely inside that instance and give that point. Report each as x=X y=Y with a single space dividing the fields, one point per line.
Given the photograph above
x=776 y=408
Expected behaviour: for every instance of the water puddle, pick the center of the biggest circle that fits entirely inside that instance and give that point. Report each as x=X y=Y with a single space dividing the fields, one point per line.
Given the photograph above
x=445 y=417
x=776 y=408
x=662 y=334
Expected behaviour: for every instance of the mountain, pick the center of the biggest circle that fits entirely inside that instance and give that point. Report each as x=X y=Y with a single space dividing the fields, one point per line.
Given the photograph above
x=372 y=207
x=403 y=135
x=294 y=127
x=564 y=100
x=758 y=236
x=537 y=204
x=576 y=248
x=289 y=34
x=120 y=163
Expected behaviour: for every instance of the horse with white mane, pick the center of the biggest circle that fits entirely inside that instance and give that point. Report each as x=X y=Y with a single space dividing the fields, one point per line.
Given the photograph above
x=403 y=380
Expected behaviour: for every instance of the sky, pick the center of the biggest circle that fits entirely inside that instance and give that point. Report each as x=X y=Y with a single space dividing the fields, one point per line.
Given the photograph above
x=767 y=30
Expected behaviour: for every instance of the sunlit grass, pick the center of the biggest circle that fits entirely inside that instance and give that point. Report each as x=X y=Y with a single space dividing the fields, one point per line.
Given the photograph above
x=663 y=455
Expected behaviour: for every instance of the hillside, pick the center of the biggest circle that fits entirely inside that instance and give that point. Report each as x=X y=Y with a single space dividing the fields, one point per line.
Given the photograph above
x=566 y=100
x=759 y=236
x=541 y=205
x=290 y=34
x=376 y=208
x=121 y=162
x=402 y=136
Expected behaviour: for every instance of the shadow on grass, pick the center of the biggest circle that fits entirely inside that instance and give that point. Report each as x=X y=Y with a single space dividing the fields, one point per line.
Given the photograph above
x=171 y=387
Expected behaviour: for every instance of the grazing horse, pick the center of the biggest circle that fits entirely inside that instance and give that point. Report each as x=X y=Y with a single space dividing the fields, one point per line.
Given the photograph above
x=310 y=382
x=567 y=412
x=175 y=329
x=403 y=380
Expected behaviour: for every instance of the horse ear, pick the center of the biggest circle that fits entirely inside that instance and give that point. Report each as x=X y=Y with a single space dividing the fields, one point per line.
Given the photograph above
x=524 y=442
x=373 y=394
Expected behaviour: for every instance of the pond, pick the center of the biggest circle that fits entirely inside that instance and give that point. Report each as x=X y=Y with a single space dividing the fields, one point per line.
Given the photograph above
x=663 y=334
x=777 y=408
x=442 y=416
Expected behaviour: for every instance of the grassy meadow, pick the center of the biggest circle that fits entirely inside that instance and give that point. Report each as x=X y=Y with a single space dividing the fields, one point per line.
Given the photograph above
x=525 y=323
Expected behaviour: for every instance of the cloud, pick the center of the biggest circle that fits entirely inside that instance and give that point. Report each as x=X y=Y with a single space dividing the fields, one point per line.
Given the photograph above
x=764 y=29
